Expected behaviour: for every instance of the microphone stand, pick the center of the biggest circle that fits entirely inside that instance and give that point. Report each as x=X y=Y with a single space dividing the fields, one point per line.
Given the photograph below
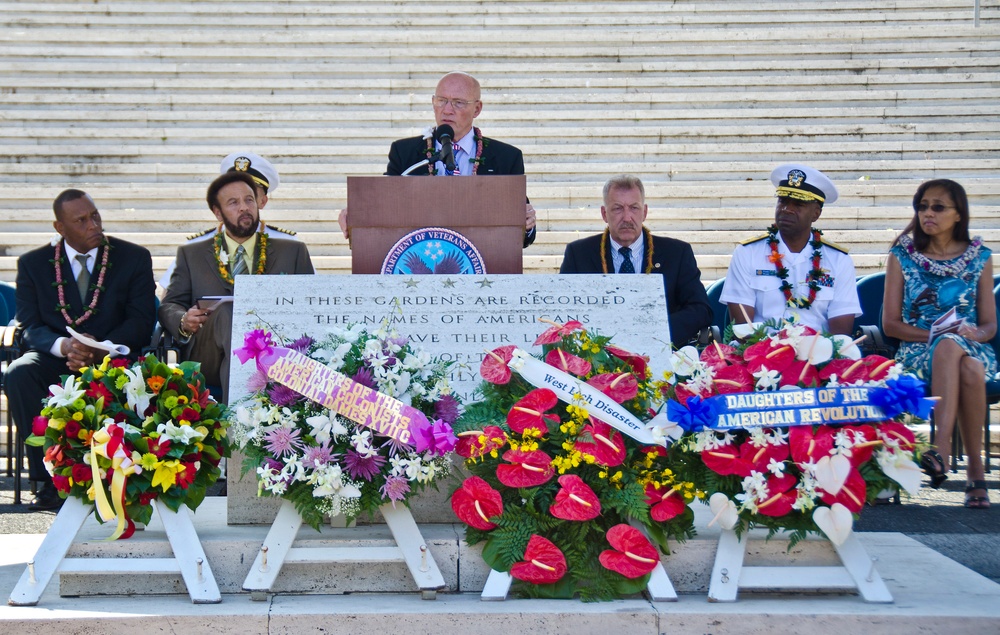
x=419 y=164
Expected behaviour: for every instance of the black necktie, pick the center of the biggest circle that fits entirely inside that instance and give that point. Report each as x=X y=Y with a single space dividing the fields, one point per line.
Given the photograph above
x=627 y=262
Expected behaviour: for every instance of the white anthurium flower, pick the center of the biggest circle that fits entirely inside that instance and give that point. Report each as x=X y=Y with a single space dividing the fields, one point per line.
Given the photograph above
x=65 y=394
x=135 y=391
x=815 y=349
x=179 y=434
x=747 y=329
x=848 y=348
x=900 y=468
x=685 y=362
x=724 y=511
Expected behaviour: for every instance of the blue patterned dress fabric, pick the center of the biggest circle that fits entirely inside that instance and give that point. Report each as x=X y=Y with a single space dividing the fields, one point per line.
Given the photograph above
x=930 y=289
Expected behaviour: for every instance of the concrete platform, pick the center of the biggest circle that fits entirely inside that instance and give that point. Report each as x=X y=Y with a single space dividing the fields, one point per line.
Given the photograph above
x=932 y=592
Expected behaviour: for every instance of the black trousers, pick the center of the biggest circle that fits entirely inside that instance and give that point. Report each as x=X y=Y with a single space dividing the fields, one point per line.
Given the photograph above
x=26 y=382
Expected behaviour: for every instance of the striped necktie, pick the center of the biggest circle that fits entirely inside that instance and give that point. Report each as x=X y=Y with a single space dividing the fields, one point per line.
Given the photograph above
x=239 y=266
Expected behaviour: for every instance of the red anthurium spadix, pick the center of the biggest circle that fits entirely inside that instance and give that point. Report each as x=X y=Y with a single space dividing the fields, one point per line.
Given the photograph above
x=809 y=446
x=494 y=367
x=780 y=496
x=529 y=411
x=556 y=332
x=619 y=386
x=878 y=366
x=758 y=458
x=665 y=502
x=525 y=469
x=475 y=502
x=865 y=441
x=799 y=373
x=567 y=362
x=892 y=432
x=847 y=371
x=601 y=441
x=543 y=562
x=469 y=446
x=633 y=555
x=575 y=500
x=851 y=495
x=683 y=392
x=637 y=362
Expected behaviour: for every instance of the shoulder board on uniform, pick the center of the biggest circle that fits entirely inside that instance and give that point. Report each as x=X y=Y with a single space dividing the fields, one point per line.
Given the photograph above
x=832 y=245
x=279 y=229
x=200 y=234
x=750 y=241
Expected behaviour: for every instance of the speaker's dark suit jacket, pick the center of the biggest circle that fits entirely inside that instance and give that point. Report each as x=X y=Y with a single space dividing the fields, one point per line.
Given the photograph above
x=687 y=302
x=498 y=158
x=126 y=313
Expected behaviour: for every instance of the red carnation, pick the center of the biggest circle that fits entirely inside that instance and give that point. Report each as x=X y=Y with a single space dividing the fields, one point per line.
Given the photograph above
x=575 y=500
x=468 y=442
x=567 y=362
x=556 y=332
x=494 y=367
x=525 y=469
x=475 y=502
x=82 y=473
x=543 y=562
x=637 y=362
x=665 y=502
x=633 y=555
x=607 y=445
x=619 y=386
x=529 y=411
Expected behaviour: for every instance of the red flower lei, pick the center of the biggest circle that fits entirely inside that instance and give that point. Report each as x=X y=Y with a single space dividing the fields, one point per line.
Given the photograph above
x=91 y=309
x=815 y=273
x=477 y=137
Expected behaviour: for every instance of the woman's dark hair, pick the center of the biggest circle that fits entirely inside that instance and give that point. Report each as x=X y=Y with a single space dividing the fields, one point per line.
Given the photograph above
x=960 y=231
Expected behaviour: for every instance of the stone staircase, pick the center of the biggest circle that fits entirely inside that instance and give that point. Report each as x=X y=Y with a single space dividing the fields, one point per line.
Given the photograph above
x=137 y=102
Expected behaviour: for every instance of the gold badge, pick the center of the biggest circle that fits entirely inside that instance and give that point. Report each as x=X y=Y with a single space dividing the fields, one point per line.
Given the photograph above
x=241 y=164
x=796 y=178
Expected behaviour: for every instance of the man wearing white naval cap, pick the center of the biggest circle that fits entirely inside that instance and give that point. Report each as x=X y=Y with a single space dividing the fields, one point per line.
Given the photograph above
x=266 y=181
x=791 y=271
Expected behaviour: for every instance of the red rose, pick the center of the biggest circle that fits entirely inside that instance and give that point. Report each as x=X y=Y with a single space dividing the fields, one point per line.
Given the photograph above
x=72 y=429
x=190 y=414
x=82 y=473
x=119 y=362
x=38 y=425
x=61 y=482
x=146 y=497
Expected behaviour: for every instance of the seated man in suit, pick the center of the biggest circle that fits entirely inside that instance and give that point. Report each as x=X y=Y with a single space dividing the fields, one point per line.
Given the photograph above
x=626 y=246
x=775 y=276
x=99 y=286
x=457 y=103
x=266 y=181
x=208 y=267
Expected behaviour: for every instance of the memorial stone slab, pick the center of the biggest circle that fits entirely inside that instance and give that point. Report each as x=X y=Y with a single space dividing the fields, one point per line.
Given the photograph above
x=457 y=318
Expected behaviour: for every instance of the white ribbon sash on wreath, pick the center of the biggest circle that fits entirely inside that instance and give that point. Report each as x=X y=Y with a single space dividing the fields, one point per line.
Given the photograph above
x=572 y=390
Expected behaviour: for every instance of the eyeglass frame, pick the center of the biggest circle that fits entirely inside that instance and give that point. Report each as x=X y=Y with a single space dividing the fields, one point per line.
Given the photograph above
x=937 y=208
x=457 y=104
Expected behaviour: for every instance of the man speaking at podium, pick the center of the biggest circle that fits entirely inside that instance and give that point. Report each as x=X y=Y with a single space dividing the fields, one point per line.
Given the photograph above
x=456 y=103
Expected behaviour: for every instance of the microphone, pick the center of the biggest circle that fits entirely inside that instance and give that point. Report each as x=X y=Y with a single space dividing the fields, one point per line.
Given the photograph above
x=444 y=135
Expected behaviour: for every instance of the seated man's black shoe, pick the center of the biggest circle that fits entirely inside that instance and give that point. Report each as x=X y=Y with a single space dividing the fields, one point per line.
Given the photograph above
x=46 y=500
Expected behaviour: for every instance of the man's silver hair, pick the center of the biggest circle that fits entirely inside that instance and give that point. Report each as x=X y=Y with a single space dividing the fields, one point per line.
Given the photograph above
x=624 y=182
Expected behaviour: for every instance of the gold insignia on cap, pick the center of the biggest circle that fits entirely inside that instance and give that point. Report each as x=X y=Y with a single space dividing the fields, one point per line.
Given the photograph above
x=242 y=164
x=796 y=178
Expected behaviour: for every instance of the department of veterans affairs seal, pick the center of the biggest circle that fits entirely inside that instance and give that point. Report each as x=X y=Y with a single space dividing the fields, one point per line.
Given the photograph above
x=433 y=250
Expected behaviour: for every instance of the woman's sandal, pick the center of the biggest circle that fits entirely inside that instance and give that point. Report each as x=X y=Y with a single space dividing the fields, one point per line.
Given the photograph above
x=976 y=502
x=933 y=466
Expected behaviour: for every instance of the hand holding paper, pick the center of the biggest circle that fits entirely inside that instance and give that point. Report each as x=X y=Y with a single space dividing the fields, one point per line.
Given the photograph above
x=107 y=345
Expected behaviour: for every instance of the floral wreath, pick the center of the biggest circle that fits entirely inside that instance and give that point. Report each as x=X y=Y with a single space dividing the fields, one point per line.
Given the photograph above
x=120 y=436
x=556 y=494
x=803 y=478
x=324 y=463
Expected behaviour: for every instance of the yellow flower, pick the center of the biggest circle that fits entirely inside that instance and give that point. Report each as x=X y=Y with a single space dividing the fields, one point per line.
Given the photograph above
x=148 y=461
x=166 y=474
x=77 y=416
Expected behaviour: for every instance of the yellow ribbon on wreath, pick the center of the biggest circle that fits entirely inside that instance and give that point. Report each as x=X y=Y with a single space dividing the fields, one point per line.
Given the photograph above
x=107 y=442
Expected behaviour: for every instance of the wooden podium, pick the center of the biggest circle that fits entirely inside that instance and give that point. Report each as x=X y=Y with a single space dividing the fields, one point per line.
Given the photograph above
x=489 y=211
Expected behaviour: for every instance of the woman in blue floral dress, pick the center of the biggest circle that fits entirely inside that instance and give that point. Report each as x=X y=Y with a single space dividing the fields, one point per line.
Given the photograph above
x=935 y=266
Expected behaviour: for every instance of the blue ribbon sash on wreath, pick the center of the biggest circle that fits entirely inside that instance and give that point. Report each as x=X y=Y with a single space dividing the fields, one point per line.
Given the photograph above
x=840 y=405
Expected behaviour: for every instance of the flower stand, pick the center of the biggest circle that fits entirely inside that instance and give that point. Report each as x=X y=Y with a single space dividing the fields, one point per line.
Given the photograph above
x=856 y=572
x=189 y=558
x=277 y=550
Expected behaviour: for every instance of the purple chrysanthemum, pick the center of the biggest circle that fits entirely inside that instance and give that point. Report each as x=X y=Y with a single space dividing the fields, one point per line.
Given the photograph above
x=316 y=457
x=257 y=381
x=363 y=467
x=365 y=377
x=282 y=441
x=283 y=396
x=446 y=409
x=397 y=447
x=302 y=344
x=395 y=489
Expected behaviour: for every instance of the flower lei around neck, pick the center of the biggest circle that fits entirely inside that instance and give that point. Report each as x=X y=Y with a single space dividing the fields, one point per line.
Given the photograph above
x=477 y=137
x=98 y=287
x=649 y=251
x=222 y=257
x=954 y=266
x=815 y=273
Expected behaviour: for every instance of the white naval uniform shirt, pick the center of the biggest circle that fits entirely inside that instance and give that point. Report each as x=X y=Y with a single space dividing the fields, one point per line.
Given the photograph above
x=753 y=280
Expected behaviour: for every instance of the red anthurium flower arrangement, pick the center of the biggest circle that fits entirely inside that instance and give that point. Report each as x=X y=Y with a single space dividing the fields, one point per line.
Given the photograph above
x=565 y=476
